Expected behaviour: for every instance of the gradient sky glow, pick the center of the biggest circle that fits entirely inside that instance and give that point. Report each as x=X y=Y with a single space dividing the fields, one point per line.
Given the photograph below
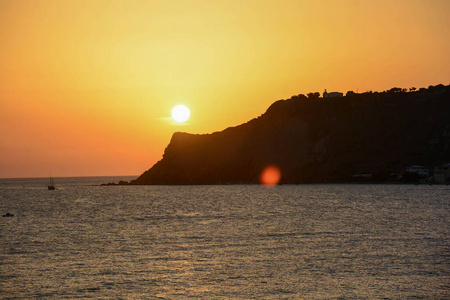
x=87 y=86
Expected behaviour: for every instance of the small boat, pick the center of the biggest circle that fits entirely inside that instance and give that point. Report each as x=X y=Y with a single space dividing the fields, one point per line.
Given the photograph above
x=8 y=215
x=51 y=185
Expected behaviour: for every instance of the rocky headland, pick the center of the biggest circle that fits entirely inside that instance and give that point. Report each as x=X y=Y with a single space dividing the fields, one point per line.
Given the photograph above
x=373 y=135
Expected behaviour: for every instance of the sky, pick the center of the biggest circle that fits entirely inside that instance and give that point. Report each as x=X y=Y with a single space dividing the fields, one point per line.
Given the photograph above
x=87 y=86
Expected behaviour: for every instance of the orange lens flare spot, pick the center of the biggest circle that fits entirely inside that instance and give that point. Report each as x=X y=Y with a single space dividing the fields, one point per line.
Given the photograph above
x=271 y=175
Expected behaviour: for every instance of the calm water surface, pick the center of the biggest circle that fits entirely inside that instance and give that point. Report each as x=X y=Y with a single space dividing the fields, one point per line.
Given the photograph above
x=222 y=242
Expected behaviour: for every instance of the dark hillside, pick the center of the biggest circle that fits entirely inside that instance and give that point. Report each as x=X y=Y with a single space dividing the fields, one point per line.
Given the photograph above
x=317 y=140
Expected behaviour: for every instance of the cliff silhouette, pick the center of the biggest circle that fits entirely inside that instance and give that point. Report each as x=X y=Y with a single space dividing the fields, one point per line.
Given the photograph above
x=317 y=140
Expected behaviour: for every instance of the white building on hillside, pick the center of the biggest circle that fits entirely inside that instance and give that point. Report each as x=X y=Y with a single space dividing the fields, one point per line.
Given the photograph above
x=332 y=94
x=442 y=173
x=419 y=170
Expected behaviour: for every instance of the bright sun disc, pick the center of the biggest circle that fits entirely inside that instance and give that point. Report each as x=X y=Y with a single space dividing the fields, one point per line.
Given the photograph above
x=180 y=113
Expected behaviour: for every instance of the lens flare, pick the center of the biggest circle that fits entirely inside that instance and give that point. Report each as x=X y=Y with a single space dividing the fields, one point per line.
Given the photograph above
x=271 y=175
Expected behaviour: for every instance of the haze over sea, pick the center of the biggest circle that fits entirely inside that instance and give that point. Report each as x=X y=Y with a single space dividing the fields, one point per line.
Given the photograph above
x=221 y=242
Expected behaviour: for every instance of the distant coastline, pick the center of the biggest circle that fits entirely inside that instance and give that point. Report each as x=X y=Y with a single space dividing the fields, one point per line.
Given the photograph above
x=398 y=135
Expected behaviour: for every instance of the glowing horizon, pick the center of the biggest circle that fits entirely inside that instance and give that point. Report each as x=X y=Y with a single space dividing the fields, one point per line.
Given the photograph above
x=87 y=87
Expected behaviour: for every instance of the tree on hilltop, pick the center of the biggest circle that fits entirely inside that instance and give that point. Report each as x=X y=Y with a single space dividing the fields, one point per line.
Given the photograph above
x=315 y=95
x=395 y=90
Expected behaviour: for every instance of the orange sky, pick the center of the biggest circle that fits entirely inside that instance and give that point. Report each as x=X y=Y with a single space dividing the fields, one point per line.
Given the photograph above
x=87 y=87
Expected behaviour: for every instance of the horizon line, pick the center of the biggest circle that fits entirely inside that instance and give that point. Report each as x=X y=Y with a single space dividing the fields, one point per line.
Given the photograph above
x=39 y=177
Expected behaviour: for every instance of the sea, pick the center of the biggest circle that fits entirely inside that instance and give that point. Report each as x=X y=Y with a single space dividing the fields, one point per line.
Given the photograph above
x=325 y=241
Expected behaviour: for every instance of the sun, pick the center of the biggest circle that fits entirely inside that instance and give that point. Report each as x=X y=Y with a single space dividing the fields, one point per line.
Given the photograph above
x=180 y=113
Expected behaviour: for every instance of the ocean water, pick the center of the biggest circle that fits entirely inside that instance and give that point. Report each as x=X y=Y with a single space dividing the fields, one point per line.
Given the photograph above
x=223 y=242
